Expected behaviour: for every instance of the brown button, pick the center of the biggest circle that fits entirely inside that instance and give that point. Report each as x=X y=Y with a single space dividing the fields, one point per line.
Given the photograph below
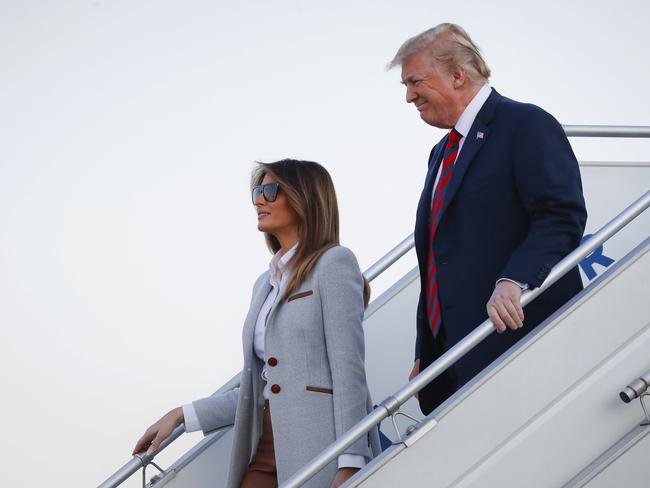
x=275 y=388
x=272 y=362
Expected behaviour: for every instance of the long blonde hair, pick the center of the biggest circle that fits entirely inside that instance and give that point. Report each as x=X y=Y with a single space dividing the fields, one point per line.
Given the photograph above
x=310 y=192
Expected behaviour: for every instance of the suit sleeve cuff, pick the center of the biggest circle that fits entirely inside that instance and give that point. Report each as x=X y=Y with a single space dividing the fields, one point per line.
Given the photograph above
x=191 y=419
x=523 y=286
x=351 y=461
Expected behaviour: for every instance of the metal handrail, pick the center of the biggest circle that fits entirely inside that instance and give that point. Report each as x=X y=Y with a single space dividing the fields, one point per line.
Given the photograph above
x=390 y=258
x=392 y=403
x=626 y=131
x=138 y=461
x=636 y=388
x=141 y=460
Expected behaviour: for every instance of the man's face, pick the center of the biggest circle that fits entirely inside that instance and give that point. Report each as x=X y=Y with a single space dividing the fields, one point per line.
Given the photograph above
x=432 y=93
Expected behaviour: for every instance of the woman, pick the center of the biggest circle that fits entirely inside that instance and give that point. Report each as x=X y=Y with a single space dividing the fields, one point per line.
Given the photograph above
x=303 y=383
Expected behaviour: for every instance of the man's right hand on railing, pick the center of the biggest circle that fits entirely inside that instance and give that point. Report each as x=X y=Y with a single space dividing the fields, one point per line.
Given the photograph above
x=159 y=431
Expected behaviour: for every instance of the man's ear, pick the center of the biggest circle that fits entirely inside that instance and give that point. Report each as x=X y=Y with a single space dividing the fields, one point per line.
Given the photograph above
x=459 y=77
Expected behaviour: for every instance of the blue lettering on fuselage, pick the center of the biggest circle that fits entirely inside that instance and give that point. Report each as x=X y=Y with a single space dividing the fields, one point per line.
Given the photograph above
x=596 y=257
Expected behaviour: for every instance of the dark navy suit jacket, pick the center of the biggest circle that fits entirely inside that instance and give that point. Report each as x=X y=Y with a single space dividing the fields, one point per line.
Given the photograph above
x=513 y=208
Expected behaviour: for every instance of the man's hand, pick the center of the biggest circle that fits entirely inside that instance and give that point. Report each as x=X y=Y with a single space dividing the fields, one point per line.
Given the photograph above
x=415 y=371
x=342 y=475
x=504 y=308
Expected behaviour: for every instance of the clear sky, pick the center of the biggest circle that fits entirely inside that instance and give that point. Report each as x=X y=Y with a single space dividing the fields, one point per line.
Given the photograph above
x=128 y=129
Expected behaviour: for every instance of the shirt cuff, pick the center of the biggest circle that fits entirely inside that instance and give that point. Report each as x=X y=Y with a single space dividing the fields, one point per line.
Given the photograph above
x=351 y=461
x=191 y=419
x=523 y=286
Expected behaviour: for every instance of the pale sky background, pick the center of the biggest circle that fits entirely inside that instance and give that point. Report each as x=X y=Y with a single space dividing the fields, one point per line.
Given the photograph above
x=128 y=129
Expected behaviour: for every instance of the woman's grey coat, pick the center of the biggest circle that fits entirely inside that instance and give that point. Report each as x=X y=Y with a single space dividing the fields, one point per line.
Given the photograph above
x=316 y=336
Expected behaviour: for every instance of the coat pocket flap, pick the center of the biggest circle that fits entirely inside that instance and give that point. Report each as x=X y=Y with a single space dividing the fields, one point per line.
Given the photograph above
x=318 y=389
x=302 y=294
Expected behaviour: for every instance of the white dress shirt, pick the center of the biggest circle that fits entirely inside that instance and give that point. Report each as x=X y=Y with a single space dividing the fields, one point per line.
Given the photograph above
x=278 y=279
x=464 y=124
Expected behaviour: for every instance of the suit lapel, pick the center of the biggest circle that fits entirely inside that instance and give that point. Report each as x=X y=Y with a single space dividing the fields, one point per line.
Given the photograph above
x=278 y=300
x=260 y=294
x=475 y=139
x=424 y=206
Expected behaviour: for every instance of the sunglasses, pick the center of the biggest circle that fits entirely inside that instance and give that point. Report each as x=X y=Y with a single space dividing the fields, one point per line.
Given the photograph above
x=270 y=192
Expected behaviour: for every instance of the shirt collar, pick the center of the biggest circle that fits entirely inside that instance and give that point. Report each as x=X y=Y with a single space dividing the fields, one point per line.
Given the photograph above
x=279 y=263
x=466 y=120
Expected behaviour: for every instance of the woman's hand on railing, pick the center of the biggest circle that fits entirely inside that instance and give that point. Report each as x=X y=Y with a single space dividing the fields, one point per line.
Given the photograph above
x=159 y=431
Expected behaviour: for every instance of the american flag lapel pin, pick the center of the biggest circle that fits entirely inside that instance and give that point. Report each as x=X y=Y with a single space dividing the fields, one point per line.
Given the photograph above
x=479 y=135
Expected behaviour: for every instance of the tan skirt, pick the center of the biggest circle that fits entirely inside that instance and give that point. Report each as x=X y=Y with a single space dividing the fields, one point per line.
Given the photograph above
x=261 y=472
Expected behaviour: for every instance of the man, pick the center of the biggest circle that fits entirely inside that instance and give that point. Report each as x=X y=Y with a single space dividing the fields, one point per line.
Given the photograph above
x=502 y=204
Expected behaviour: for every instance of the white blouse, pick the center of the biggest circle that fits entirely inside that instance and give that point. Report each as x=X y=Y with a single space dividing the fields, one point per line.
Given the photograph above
x=278 y=280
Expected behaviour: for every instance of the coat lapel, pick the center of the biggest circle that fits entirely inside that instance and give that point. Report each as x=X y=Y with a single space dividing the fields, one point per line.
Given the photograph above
x=277 y=302
x=259 y=297
x=424 y=206
x=475 y=139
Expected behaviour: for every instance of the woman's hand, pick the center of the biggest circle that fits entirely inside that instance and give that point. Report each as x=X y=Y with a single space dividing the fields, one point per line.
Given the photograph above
x=159 y=431
x=342 y=475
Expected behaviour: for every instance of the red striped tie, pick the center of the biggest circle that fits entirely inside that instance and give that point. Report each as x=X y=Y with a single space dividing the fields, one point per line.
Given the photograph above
x=433 y=302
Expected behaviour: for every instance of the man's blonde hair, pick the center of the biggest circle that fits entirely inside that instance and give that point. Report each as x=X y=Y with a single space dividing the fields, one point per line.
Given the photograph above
x=449 y=46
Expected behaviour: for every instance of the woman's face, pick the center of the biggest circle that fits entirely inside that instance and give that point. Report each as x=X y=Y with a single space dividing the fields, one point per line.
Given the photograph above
x=276 y=217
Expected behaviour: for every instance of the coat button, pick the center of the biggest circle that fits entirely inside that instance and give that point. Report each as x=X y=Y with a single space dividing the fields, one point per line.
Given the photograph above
x=272 y=362
x=275 y=389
